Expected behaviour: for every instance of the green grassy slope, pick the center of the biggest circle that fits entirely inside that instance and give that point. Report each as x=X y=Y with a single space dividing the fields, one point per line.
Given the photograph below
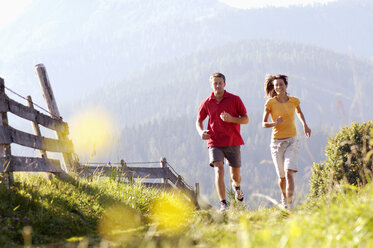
x=103 y=212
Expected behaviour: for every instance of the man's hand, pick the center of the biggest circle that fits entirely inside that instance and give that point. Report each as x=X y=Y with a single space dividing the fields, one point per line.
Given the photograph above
x=204 y=134
x=226 y=117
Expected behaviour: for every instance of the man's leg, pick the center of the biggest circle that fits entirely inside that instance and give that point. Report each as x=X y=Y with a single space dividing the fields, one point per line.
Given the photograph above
x=219 y=179
x=233 y=155
x=236 y=182
x=289 y=185
x=236 y=176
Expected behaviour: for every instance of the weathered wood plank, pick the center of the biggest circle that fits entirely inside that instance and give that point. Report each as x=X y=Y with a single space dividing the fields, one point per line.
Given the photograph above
x=157 y=185
x=41 y=71
x=4 y=107
x=35 y=126
x=135 y=172
x=5 y=149
x=179 y=183
x=33 y=141
x=27 y=164
x=34 y=115
x=145 y=172
x=5 y=137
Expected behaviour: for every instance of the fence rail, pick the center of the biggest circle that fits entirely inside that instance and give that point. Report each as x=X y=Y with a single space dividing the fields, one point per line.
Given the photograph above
x=10 y=135
x=27 y=164
x=10 y=163
x=31 y=114
x=165 y=172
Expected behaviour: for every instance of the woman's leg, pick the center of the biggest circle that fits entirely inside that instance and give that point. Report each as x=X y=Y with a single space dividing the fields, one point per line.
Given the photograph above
x=277 y=152
x=291 y=166
x=282 y=185
x=289 y=185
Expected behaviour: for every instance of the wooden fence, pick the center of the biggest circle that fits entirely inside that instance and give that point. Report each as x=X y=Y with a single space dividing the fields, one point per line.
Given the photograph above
x=10 y=163
x=9 y=135
x=170 y=179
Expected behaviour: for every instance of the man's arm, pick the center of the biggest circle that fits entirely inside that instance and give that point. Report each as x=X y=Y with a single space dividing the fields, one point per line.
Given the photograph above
x=244 y=119
x=203 y=133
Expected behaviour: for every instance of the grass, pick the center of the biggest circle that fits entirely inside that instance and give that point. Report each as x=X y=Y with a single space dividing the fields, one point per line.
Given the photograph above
x=102 y=212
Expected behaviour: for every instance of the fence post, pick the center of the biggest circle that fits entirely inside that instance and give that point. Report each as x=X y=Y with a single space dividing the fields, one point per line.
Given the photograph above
x=164 y=165
x=53 y=109
x=37 y=132
x=124 y=166
x=197 y=191
x=5 y=148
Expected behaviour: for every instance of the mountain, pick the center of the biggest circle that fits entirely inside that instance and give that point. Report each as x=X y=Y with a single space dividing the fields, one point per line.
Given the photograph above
x=334 y=88
x=157 y=108
x=148 y=64
x=91 y=44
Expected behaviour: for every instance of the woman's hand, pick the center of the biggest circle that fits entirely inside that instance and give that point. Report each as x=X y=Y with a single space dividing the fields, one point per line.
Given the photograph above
x=307 y=131
x=279 y=120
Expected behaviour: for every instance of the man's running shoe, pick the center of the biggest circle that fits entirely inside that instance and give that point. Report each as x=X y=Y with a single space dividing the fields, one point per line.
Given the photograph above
x=238 y=194
x=223 y=206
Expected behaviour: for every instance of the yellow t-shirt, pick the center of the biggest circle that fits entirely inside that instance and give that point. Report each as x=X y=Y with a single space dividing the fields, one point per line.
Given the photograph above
x=286 y=128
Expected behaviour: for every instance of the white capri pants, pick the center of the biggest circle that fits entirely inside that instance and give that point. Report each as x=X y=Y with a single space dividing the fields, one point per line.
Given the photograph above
x=285 y=155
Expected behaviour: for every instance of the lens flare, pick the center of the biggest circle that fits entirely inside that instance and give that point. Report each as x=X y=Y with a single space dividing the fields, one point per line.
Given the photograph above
x=171 y=212
x=119 y=223
x=92 y=132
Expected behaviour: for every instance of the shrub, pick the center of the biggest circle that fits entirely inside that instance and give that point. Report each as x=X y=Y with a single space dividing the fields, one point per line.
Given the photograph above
x=349 y=160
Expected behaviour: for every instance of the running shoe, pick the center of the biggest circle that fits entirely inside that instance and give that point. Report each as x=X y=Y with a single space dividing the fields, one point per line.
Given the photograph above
x=238 y=194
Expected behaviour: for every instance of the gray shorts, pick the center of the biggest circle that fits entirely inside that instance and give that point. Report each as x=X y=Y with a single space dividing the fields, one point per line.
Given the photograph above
x=231 y=153
x=285 y=155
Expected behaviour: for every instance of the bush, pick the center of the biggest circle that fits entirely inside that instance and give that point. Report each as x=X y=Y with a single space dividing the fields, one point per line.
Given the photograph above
x=349 y=160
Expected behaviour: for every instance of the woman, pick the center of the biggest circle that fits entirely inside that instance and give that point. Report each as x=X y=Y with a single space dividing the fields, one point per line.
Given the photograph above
x=284 y=143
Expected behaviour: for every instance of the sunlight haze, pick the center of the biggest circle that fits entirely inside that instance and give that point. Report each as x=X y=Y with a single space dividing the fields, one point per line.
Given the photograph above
x=251 y=4
x=10 y=10
x=128 y=78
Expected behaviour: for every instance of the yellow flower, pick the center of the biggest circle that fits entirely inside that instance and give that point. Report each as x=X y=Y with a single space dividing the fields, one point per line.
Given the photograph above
x=171 y=212
x=119 y=223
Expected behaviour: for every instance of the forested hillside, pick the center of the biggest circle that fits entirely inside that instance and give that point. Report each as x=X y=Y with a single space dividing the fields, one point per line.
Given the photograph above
x=334 y=88
x=148 y=64
x=92 y=43
x=157 y=108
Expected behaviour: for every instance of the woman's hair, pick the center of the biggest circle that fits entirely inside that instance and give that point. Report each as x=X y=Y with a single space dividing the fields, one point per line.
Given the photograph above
x=268 y=84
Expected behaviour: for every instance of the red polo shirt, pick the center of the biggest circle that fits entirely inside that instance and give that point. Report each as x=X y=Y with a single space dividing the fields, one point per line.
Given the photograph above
x=222 y=133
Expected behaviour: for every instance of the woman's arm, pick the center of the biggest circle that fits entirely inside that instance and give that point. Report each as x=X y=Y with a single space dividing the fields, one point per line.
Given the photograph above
x=306 y=129
x=268 y=124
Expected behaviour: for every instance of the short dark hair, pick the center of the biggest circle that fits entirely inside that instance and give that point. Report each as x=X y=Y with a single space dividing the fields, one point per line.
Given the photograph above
x=268 y=84
x=217 y=74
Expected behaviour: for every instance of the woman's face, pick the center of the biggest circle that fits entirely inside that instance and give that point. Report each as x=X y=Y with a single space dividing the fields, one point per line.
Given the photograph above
x=279 y=86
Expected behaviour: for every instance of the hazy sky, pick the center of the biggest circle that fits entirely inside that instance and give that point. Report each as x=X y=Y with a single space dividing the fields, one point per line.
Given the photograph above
x=10 y=10
x=247 y=4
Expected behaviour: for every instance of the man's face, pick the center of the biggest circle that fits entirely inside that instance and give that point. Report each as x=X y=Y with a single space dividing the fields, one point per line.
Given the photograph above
x=217 y=85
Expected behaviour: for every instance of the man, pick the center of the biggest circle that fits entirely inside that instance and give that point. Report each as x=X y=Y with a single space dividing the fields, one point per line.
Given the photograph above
x=226 y=112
